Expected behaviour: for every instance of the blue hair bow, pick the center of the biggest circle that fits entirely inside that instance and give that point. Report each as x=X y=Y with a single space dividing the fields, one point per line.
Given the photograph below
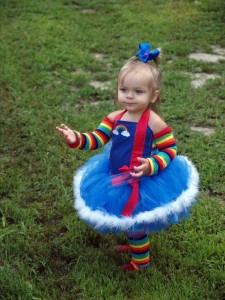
x=144 y=52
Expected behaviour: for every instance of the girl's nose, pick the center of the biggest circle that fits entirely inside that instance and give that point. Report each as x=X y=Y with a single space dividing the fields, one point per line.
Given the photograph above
x=129 y=94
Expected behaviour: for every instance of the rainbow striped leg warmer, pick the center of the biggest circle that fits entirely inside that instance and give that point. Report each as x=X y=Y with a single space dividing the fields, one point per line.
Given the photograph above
x=140 y=252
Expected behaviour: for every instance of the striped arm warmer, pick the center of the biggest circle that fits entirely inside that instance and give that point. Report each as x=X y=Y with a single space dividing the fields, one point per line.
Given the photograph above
x=166 y=146
x=95 y=139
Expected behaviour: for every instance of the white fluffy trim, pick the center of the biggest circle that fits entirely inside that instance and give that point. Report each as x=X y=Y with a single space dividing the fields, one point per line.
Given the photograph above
x=98 y=219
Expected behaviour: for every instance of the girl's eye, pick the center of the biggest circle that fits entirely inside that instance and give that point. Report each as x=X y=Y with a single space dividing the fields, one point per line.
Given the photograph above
x=139 y=91
x=123 y=90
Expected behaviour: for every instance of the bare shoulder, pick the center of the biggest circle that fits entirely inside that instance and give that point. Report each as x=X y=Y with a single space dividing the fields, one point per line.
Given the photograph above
x=156 y=123
x=114 y=114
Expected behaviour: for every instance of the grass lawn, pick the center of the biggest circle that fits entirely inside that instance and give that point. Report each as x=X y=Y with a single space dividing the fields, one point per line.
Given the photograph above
x=52 y=52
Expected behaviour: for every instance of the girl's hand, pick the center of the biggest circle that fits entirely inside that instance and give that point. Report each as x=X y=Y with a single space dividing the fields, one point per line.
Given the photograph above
x=68 y=134
x=141 y=170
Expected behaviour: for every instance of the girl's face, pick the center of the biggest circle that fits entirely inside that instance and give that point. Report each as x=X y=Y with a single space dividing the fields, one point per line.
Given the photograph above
x=134 y=93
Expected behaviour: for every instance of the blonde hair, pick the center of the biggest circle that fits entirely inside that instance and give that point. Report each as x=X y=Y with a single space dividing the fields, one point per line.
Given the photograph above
x=150 y=71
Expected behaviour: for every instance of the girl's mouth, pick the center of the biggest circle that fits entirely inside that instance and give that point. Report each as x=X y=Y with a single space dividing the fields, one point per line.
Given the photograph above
x=129 y=103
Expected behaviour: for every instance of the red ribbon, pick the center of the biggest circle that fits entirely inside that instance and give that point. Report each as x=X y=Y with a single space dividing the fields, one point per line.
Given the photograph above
x=137 y=151
x=134 y=196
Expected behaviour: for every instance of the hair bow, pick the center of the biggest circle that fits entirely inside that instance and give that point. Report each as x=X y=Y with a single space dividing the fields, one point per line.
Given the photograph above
x=144 y=52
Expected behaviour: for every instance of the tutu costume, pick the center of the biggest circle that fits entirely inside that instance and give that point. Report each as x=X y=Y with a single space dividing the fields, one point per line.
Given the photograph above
x=148 y=204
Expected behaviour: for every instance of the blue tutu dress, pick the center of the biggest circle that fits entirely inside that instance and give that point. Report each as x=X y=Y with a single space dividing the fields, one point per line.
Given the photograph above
x=164 y=199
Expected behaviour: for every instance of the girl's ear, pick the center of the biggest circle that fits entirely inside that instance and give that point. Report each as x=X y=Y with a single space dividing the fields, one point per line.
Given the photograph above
x=155 y=96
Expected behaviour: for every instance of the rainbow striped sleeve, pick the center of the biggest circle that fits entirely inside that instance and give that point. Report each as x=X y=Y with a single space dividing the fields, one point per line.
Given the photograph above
x=167 y=148
x=95 y=139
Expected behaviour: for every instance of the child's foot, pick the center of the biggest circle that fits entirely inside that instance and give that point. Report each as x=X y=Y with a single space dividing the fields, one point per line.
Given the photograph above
x=130 y=267
x=122 y=248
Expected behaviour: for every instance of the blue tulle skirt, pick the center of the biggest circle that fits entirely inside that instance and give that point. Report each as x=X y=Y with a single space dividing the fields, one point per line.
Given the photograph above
x=164 y=198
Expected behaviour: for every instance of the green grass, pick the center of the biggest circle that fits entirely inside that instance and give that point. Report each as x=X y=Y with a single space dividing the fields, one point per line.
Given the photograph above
x=47 y=60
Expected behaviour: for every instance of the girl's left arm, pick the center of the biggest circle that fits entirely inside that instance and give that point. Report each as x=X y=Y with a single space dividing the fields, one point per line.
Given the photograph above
x=167 y=150
x=166 y=145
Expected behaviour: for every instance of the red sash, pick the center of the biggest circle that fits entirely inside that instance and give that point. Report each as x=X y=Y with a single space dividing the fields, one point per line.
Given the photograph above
x=137 y=151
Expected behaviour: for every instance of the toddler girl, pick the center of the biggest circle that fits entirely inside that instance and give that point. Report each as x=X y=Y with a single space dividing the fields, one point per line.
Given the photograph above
x=137 y=184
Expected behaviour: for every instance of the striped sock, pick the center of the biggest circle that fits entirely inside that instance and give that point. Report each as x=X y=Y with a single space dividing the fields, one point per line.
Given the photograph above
x=140 y=252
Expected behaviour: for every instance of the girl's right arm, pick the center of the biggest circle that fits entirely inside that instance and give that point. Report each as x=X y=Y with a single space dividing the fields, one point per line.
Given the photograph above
x=89 y=140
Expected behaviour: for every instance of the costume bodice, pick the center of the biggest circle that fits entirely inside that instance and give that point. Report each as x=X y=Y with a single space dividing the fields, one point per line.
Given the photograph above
x=123 y=136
